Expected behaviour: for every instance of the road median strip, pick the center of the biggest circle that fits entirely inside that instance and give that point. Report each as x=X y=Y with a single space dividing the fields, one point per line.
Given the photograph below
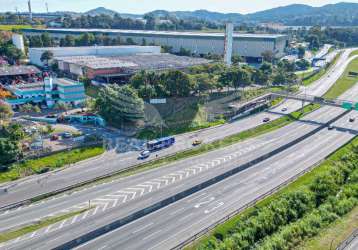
x=119 y=222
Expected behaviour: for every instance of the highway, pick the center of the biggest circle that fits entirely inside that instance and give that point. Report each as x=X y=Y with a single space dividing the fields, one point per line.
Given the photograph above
x=168 y=227
x=264 y=142
x=238 y=154
x=88 y=170
x=194 y=213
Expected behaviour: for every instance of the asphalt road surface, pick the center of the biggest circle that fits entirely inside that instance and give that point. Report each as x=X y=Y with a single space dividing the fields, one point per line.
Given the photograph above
x=343 y=132
x=107 y=194
x=107 y=163
x=353 y=245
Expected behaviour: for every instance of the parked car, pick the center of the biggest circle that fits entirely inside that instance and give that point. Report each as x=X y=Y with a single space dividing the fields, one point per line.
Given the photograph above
x=330 y=127
x=197 y=142
x=144 y=154
x=284 y=109
x=266 y=119
x=54 y=137
x=67 y=135
x=352 y=119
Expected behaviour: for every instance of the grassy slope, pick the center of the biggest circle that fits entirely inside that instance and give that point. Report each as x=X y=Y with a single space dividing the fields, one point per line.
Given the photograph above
x=54 y=161
x=345 y=82
x=336 y=233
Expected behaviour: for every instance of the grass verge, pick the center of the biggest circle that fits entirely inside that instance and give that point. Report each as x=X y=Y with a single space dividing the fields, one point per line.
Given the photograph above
x=14 y=27
x=331 y=237
x=301 y=183
x=9 y=235
x=345 y=82
x=57 y=160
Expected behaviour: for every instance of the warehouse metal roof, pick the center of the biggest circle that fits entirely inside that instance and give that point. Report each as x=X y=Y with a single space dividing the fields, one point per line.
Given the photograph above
x=150 y=61
x=160 y=33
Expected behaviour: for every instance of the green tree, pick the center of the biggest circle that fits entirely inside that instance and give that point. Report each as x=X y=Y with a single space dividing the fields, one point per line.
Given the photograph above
x=9 y=151
x=266 y=68
x=259 y=77
x=302 y=64
x=119 y=104
x=203 y=83
x=5 y=112
x=301 y=52
x=242 y=78
x=268 y=56
x=46 y=40
x=46 y=57
x=178 y=83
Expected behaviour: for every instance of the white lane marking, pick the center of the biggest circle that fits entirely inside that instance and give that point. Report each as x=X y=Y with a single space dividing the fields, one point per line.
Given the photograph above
x=177 y=211
x=63 y=223
x=185 y=217
x=142 y=228
x=216 y=207
x=204 y=202
x=151 y=235
x=74 y=219
x=195 y=197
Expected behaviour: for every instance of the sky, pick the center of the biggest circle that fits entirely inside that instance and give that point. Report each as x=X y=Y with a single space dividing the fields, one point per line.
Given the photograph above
x=143 y=6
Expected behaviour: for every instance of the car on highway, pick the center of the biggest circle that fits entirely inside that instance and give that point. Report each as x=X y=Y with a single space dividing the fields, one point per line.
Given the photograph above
x=144 y=154
x=197 y=142
x=266 y=119
x=352 y=119
x=330 y=127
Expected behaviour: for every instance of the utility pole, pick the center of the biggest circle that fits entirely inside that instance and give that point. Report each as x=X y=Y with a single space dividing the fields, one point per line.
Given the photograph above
x=30 y=11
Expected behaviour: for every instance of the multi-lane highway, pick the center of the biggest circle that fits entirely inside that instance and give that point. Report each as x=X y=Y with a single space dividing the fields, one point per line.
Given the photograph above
x=109 y=163
x=190 y=172
x=147 y=188
x=173 y=224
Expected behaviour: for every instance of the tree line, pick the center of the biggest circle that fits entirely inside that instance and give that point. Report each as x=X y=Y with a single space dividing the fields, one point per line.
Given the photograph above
x=316 y=36
x=202 y=79
x=150 y=22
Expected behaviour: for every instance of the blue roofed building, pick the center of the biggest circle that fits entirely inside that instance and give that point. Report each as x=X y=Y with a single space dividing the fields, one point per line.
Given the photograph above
x=49 y=92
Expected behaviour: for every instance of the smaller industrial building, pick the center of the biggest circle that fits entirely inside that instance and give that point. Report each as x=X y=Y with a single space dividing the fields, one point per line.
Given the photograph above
x=104 y=64
x=47 y=92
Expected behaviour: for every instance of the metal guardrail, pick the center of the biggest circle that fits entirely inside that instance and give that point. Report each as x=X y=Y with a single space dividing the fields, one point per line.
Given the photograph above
x=347 y=241
x=207 y=230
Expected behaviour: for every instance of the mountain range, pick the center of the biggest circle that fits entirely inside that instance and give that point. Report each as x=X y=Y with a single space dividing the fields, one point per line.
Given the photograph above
x=340 y=14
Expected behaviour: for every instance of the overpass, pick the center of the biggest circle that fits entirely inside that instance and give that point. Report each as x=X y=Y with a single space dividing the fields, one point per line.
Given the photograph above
x=345 y=104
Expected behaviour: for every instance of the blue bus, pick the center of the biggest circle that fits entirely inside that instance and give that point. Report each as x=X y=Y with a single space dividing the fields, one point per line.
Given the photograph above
x=158 y=144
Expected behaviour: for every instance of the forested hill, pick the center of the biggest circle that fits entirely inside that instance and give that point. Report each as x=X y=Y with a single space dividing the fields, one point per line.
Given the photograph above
x=295 y=14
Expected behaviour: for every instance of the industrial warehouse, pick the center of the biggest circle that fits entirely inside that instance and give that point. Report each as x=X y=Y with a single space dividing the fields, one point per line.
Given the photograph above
x=246 y=45
x=105 y=64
